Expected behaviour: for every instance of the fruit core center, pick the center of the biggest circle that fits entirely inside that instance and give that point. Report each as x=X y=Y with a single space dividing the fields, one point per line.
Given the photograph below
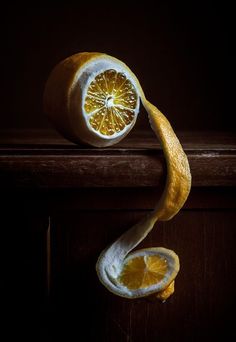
x=109 y=102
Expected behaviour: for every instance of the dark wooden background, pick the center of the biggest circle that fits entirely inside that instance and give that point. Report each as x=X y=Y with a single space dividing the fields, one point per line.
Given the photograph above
x=181 y=52
x=61 y=204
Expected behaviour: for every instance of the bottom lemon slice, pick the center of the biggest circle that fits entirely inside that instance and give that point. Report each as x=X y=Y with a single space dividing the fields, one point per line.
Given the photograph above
x=141 y=273
x=150 y=270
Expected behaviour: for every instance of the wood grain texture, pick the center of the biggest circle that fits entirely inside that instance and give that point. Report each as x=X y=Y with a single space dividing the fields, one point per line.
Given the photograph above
x=139 y=162
x=201 y=306
x=14 y=139
x=91 y=196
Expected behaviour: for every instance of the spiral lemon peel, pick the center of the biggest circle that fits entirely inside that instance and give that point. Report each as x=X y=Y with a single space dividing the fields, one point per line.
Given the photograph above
x=121 y=270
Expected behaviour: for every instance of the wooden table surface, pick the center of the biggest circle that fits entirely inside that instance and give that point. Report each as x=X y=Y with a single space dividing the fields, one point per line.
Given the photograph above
x=39 y=159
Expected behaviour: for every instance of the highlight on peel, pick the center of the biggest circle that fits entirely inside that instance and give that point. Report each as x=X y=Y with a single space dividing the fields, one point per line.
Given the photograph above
x=94 y=98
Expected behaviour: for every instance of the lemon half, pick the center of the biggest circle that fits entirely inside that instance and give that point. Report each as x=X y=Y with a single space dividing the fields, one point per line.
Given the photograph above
x=95 y=98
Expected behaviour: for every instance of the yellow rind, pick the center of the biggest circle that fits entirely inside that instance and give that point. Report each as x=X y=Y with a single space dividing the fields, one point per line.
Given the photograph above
x=178 y=182
x=167 y=292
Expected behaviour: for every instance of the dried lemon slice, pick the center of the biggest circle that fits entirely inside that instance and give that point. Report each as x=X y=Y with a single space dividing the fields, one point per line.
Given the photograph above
x=94 y=98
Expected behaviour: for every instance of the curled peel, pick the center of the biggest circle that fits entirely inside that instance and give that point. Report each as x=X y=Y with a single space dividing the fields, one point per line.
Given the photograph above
x=177 y=188
x=64 y=103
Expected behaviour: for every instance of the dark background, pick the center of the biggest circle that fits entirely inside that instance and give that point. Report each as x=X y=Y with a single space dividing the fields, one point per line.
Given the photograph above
x=181 y=53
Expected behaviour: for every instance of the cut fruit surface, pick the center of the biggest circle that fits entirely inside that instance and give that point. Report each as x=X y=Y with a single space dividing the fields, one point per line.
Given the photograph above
x=94 y=98
x=152 y=269
x=110 y=102
x=143 y=271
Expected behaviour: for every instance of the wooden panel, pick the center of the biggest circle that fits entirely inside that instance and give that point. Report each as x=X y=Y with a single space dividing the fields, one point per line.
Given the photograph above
x=201 y=306
x=212 y=164
x=110 y=171
x=134 y=199
x=117 y=199
x=92 y=196
x=50 y=140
